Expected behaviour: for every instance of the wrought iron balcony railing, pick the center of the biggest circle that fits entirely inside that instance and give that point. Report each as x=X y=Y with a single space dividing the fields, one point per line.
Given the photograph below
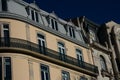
x=23 y=44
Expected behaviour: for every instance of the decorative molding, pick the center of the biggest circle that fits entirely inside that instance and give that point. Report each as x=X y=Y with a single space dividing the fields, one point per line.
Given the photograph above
x=100 y=47
x=46 y=58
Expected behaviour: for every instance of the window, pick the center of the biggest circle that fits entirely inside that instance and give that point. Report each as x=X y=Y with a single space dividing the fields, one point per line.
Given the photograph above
x=83 y=78
x=37 y=19
x=5 y=34
x=7 y=68
x=72 y=32
x=35 y=16
x=27 y=10
x=54 y=24
x=45 y=72
x=41 y=43
x=32 y=14
x=103 y=63
x=4 y=5
x=65 y=75
x=79 y=56
x=61 y=49
x=6 y=62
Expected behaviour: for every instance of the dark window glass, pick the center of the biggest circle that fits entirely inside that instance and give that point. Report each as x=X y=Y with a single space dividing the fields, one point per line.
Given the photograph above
x=32 y=13
x=7 y=68
x=52 y=22
x=73 y=33
x=27 y=10
x=6 y=34
x=0 y=68
x=56 y=25
x=37 y=18
x=70 y=31
x=45 y=72
x=48 y=19
x=4 y=5
x=40 y=36
x=65 y=75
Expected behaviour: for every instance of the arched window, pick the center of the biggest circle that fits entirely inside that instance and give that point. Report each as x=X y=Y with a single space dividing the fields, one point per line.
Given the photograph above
x=103 y=63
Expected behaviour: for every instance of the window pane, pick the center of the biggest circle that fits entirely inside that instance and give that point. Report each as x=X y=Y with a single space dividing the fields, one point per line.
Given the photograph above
x=42 y=75
x=47 y=76
x=32 y=14
x=45 y=72
x=7 y=70
x=4 y=5
x=61 y=48
x=37 y=18
x=79 y=55
x=65 y=75
x=6 y=34
x=56 y=25
x=40 y=36
x=41 y=43
x=102 y=62
x=52 y=22
x=73 y=31
x=70 y=31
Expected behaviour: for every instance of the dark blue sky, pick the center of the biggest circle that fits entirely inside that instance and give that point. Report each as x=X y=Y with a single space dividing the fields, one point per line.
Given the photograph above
x=99 y=11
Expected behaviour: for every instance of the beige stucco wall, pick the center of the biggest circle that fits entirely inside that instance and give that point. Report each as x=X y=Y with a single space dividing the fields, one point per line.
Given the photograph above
x=96 y=56
x=20 y=68
x=18 y=30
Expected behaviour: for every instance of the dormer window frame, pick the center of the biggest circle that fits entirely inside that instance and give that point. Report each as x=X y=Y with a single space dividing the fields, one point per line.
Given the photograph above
x=53 y=23
x=71 y=31
x=34 y=15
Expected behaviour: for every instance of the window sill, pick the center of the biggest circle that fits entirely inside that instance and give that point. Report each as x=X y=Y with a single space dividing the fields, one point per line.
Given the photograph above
x=106 y=73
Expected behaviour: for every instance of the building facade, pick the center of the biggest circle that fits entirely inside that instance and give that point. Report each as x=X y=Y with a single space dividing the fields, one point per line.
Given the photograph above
x=111 y=29
x=101 y=54
x=37 y=45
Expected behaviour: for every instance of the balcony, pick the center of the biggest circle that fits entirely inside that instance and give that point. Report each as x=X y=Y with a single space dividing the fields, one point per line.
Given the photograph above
x=26 y=45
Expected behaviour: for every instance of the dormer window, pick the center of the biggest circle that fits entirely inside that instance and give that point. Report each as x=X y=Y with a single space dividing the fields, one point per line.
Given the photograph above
x=54 y=24
x=34 y=16
x=4 y=5
x=71 y=32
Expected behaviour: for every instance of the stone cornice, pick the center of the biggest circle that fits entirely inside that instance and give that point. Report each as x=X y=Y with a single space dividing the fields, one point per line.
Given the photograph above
x=8 y=15
x=100 y=47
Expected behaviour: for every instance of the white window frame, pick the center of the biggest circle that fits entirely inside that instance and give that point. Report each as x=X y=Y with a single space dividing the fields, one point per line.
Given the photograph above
x=54 y=24
x=80 y=54
x=72 y=33
x=44 y=71
x=61 y=47
x=66 y=75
